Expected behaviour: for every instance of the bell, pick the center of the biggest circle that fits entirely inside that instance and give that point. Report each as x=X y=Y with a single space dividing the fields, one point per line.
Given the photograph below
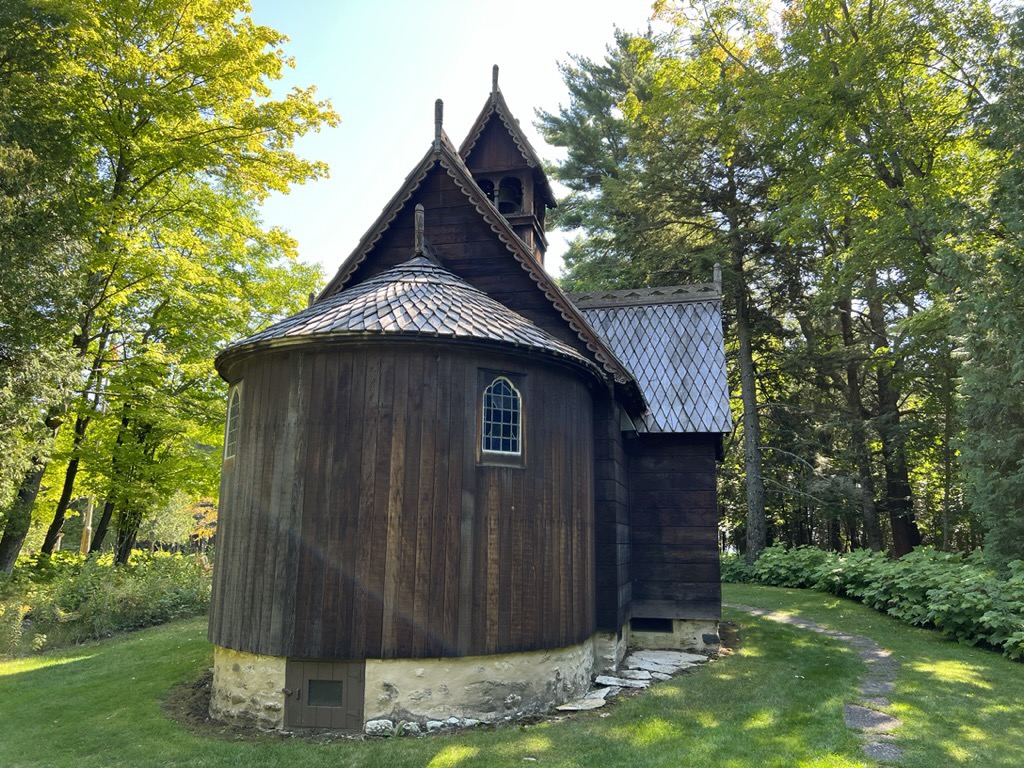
x=510 y=196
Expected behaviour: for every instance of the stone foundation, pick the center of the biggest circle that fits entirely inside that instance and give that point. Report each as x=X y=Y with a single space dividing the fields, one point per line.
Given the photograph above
x=696 y=635
x=248 y=689
x=485 y=688
x=610 y=649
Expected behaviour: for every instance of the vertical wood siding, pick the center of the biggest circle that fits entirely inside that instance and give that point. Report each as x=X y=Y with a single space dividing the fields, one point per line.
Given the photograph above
x=614 y=588
x=357 y=523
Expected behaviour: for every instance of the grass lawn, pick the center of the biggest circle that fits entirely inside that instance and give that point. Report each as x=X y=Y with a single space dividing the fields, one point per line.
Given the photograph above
x=776 y=701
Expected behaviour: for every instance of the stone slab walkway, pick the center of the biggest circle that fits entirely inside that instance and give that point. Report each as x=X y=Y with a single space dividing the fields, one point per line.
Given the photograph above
x=864 y=716
x=639 y=670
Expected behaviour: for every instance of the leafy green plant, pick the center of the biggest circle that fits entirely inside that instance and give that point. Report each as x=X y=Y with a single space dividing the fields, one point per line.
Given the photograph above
x=67 y=599
x=735 y=570
x=959 y=596
x=799 y=567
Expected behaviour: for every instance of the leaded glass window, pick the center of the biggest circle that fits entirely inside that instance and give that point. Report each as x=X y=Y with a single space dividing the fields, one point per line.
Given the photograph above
x=234 y=423
x=502 y=418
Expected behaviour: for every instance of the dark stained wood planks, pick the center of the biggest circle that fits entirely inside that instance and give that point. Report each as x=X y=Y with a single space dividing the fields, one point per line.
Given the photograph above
x=611 y=536
x=369 y=529
x=674 y=527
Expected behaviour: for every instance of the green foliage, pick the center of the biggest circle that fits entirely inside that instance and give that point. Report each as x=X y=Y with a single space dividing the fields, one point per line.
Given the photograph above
x=141 y=138
x=992 y=325
x=736 y=570
x=847 y=165
x=799 y=567
x=65 y=599
x=958 y=596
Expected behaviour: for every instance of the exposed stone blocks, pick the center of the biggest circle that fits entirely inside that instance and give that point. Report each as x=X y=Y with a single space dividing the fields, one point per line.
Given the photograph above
x=247 y=688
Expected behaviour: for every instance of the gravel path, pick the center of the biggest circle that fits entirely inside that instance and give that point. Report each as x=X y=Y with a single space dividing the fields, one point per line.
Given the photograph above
x=864 y=716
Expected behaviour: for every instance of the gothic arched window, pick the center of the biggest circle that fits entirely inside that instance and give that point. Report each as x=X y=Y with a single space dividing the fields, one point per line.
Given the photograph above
x=233 y=422
x=502 y=418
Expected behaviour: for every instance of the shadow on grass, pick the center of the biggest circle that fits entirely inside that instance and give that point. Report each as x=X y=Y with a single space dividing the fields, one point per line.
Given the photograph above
x=776 y=701
x=959 y=705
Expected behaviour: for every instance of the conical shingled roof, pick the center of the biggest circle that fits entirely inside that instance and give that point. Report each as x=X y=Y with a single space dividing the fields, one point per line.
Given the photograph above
x=416 y=297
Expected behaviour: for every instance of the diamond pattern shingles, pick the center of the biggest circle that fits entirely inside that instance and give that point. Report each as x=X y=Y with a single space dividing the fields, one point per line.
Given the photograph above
x=677 y=354
x=417 y=297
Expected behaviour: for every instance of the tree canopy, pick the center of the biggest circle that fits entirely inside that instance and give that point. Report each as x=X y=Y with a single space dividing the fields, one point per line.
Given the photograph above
x=137 y=140
x=852 y=166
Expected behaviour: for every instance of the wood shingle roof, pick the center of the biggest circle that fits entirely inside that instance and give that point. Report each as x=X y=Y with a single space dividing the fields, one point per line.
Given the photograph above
x=417 y=297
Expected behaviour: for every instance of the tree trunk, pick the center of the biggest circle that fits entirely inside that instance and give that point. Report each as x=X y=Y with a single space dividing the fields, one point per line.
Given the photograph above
x=858 y=433
x=109 y=504
x=83 y=547
x=82 y=420
x=101 y=527
x=19 y=516
x=757 y=525
x=127 y=533
x=898 y=494
x=60 y=513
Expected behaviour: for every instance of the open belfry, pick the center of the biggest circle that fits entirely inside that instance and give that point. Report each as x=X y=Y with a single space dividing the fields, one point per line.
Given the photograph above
x=451 y=490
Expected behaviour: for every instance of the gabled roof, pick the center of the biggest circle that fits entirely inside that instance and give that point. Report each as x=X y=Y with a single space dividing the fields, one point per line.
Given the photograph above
x=443 y=154
x=495 y=107
x=671 y=339
x=417 y=297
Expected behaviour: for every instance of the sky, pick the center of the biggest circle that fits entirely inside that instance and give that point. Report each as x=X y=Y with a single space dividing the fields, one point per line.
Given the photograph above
x=383 y=64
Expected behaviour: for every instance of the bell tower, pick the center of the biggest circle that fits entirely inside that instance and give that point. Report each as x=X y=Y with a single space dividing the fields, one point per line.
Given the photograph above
x=507 y=169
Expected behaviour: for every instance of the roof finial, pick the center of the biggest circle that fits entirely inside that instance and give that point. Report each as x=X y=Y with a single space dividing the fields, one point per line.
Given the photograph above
x=718 y=276
x=438 y=119
x=418 y=242
x=494 y=79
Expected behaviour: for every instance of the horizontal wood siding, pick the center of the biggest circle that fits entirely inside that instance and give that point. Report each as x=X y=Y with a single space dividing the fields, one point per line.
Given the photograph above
x=674 y=527
x=356 y=521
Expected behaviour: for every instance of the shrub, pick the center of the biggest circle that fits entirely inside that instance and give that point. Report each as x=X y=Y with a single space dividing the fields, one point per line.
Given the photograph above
x=735 y=570
x=68 y=599
x=958 y=596
x=799 y=567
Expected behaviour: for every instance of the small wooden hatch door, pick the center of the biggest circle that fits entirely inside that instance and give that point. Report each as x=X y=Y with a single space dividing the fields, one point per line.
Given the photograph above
x=324 y=694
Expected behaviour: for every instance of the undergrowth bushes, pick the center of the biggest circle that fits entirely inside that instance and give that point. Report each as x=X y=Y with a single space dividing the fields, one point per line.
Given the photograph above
x=957 y=595
x=65 y=598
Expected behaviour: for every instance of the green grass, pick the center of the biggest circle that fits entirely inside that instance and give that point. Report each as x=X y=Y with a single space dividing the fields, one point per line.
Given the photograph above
x=777 y=701
x=959 y=705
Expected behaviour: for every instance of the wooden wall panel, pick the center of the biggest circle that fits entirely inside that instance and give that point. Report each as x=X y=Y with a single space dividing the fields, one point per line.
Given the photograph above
x=674 y=527
x=611 y=535
x=494 y=149
x=467 y=246
x=366 y=527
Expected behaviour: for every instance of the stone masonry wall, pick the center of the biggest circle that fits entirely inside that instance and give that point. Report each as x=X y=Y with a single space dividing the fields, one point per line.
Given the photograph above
x=247 y=688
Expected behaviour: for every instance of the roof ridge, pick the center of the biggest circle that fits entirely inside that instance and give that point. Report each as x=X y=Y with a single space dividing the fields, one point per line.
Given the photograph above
x=635 y=297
